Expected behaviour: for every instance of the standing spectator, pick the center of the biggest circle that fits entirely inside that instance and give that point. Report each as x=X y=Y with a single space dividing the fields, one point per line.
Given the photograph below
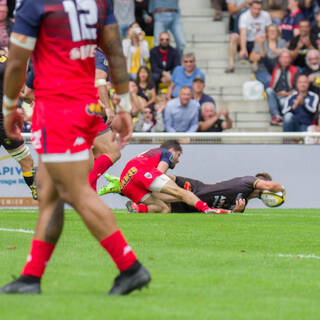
x=281 y=86
x=314 y=128
x=163 y=59
x=301 y=44
x=148 y=122
x=135 y=49
x=264 y=55
x=312 y=71
x=198 y=87
x=300 y=107
x=4 y=37
x=166 y=15
x=289 y=23
x=252 y=24
x=143 y=16
x=124 y=13
x=210 y=121
x=183 y=75
x=145 y=85
x=182 y=114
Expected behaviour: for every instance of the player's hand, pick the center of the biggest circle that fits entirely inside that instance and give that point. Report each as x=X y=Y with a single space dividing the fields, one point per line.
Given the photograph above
x=122 y=124
x=13 y=124
x=240 y=205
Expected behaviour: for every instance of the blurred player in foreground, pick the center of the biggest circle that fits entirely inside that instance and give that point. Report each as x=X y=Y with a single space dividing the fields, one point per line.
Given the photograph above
x=231 y=194
x=65 y=124
x=143 y=180
x=17 y=149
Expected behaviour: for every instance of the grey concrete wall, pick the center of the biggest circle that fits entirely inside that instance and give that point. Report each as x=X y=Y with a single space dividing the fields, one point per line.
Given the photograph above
x=294 y=166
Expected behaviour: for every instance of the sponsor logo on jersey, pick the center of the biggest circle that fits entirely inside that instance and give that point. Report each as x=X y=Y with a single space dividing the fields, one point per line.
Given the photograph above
x=84 y=52
x=124 y=181
x=36 y=139
x=148 y=175
x=79 y=141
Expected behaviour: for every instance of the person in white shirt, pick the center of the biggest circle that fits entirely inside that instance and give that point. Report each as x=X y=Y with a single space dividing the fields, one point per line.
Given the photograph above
x=252 y=24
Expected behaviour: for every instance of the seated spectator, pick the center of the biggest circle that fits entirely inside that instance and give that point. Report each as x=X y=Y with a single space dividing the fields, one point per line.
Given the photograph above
x=163 y=59
x=281 y=86
x=309 y=8
x=289 y=23
x=161 y=101
x=210 y=121
x=143 y=16
x=137 y=102
x=183 y=75
x=252 y=24
x=276 y=9
x=124 y=13
x=301 y=44
x=198 y=87
x=264 y=55
x=314 y=128
x=182 y=113
x=312 y=71
x=315 y=30
x=135 y=49
x=235 y=9
x=166 y=16
x=148 y=122
x=217 y=5
x=300 y=107
x=145 y=86
x=4 y=37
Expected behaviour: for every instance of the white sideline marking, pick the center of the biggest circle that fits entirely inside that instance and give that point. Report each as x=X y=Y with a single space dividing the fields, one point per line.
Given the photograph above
x=17 y=230
x=303 y=256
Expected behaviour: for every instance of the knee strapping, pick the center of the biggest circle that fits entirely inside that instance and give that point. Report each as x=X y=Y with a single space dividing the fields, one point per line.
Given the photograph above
x=21 y=154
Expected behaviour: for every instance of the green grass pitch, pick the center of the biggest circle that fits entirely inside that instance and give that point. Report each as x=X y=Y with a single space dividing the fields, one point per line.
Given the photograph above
x=264 y=264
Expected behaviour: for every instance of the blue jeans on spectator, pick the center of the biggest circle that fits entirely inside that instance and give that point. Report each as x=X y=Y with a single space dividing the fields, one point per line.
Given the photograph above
x=123 y=30
x=264 y=77
x=275 y=102
x=291 y=123
x=172 y=21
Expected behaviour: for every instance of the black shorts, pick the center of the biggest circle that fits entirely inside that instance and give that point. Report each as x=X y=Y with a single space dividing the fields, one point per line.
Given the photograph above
x=6 y=142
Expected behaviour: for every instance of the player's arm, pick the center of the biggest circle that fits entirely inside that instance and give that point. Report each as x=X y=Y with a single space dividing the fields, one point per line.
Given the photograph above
x=163 y=166
x=172 y=177
x=272 y=186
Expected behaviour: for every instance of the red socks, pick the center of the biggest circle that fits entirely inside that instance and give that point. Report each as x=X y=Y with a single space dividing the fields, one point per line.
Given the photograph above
x=119 y=250
x=141 y=208
x=101 y=165
x=38 y=258
x=201 y=206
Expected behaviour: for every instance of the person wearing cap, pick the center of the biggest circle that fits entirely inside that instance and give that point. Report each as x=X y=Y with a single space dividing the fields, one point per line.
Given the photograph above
x=183 y=75
x=198 y=86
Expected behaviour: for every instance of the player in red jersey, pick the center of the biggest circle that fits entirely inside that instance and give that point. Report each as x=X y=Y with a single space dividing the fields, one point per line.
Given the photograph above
x=63 y=36
x=143 y=180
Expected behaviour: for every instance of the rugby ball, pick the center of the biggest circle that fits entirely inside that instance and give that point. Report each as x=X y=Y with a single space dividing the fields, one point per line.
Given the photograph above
x=272 y=199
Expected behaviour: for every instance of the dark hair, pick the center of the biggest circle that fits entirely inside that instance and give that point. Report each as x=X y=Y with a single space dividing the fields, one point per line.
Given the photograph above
x=264 y=176
x=149 y=79
x=171 y=144
x=304 y=20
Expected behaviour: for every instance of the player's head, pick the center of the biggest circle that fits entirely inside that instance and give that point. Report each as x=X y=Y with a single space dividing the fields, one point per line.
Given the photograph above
x=174 y=147
x=264 y=176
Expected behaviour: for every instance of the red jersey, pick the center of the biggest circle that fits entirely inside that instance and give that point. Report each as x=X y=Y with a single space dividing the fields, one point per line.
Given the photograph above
x=67 y=33
x=154 y=156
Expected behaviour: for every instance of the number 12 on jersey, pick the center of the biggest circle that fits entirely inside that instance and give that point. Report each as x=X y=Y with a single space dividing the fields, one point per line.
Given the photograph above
x=83 y=18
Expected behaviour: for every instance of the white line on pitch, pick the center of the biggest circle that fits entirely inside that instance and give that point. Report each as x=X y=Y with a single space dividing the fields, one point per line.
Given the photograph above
x=303 y=256
x=16 y=230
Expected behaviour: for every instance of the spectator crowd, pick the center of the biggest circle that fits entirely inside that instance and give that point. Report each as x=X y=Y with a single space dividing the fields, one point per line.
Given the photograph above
x=280 y=38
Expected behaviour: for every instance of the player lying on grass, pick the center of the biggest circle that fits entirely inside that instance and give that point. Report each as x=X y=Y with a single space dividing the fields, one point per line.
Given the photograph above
x=144 y=181
x=231 y=194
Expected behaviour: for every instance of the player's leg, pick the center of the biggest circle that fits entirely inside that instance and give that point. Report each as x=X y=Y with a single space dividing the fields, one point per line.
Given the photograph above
x=149 y=204
x=70 y=179
x=48 y=230
x=21 y=153
x=106 y=152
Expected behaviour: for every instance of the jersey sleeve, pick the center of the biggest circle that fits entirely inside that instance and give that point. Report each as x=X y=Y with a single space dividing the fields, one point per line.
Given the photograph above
x=28 y=17
x=167 y=157
x=110 y=18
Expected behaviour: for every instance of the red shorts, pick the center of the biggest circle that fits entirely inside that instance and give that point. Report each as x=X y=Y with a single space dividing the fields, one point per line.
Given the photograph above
x=136 y=178
x=60 y=128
